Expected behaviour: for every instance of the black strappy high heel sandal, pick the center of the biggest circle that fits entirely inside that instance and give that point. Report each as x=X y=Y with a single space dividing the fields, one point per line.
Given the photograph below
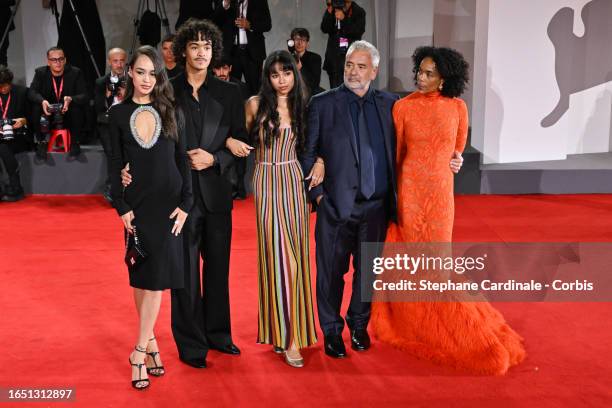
x=157 y=370
x=140 y=380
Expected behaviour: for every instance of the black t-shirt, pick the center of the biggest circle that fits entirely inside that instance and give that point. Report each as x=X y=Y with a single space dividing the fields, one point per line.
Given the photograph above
x=174 y=71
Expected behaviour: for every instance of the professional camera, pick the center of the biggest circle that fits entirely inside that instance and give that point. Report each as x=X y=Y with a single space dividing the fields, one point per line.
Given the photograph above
x=8 y=132
x=114 y=83
x=291 y=48
x=57 y=117
x=337 y=4
x=6 y=129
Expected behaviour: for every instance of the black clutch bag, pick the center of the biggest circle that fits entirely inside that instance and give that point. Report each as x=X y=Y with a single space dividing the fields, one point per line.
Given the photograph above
x=135 y=254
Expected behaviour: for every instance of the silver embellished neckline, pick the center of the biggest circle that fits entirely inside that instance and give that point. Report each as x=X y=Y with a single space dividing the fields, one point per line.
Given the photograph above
x=156 y=133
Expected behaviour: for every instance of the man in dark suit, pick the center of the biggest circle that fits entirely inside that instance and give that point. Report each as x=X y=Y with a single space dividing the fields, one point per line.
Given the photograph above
x=13 y=106
x=308 y=62
x=244 y=23
x=358 y=195
x=108 y=91
x=58 y=83
x=343 y=27
x=212 y=111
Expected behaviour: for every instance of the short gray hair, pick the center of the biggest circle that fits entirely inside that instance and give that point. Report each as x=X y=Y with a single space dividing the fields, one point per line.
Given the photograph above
x=362 y=45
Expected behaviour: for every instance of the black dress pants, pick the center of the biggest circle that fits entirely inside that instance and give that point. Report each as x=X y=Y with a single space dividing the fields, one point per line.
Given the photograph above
x=336 y=241
x=201 y=311
x=243 y=64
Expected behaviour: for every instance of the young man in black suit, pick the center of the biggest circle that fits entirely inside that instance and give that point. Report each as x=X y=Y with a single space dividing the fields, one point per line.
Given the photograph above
x=212 y=110
x=244 y=23
x=13 y=106
x=60 y=83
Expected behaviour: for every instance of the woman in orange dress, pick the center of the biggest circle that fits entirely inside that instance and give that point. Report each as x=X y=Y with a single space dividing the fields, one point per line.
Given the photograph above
x=431 y=125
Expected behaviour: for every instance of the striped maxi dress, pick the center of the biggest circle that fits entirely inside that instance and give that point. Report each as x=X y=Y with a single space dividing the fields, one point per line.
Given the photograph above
x=285 y=297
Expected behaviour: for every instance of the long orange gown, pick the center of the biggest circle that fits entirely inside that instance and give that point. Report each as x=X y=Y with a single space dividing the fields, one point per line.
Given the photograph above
x=469 y=336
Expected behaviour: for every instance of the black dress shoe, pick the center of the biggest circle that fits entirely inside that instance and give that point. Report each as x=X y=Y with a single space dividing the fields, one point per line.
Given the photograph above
x=334 y=346
x=360 y=340
x=41 y=151
x=230 y=349
x=194 y=362
x=75 y=150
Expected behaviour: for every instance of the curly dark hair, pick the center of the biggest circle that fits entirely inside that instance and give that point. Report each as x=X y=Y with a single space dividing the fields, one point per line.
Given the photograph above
x=267 y=113
x=162 y=96
x=192 y=30
x=6 y=75
x=451 y=65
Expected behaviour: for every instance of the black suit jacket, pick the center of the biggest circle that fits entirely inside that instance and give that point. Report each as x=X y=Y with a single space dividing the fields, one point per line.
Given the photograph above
x=330 y=135
x=19 y=106
x=352 y=28
x=258 y=14
x=311 y=70
x=223 y=116
x=42 y=89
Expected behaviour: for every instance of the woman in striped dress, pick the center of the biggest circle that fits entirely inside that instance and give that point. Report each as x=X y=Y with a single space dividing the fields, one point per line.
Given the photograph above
x=276 y=119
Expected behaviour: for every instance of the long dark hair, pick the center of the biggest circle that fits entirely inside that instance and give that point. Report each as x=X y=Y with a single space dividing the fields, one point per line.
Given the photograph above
x=267 y=115
x=162 y=96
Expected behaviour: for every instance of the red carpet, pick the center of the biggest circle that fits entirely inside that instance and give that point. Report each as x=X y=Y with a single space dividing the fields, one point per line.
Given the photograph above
x=68 y=320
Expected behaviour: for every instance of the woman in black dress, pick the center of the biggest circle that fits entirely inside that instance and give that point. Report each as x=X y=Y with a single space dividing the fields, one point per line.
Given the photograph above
x=145 y=134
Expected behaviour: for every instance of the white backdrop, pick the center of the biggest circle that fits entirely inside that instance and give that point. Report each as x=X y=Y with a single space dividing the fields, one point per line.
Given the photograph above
x=515 y=86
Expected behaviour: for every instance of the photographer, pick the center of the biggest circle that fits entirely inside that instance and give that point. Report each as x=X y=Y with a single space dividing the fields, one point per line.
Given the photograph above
x=309 y=63
x=57 y=91
x=344 y=22
x=13 y=130
x=109 y=90
x=172 y=67
x=243 y=23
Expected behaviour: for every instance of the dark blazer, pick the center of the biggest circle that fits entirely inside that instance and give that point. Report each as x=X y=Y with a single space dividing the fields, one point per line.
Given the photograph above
x=352 y=28
x=330 y=135
x=311 y=70
x=258 y=14
x=223 y=116
x=42 y=89
x=19 y=106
